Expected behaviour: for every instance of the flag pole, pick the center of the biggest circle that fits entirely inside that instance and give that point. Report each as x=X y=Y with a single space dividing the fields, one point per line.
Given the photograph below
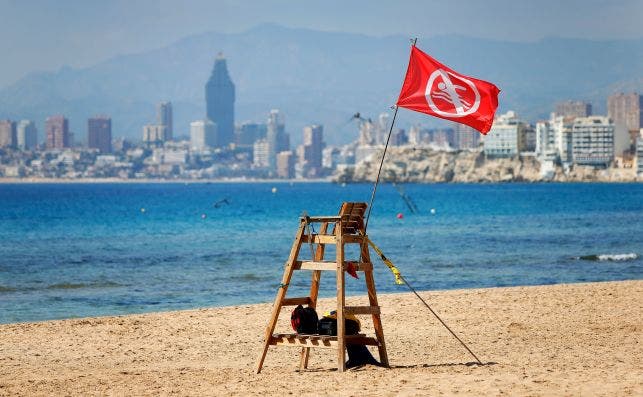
x=368 y=215
x=379 y=170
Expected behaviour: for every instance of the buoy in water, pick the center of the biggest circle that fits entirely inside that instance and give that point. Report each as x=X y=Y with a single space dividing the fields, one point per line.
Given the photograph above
x=432 y=211
x=400 y=215
x=143 y=210
x=274 y=190
x=203 y=216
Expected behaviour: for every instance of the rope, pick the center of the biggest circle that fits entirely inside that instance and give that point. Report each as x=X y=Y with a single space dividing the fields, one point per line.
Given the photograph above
x=399 y=279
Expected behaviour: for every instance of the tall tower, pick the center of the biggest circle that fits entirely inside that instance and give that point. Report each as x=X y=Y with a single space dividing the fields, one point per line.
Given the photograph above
x=164 y=118
x=99 y=133
x=219 y=99
x=27 y=134
x=57 y=130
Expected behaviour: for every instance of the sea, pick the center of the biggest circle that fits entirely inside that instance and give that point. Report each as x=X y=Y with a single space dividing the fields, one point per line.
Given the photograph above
x=77 y=250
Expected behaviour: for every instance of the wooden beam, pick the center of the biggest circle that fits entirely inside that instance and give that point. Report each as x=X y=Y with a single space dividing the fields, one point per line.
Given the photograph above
x=362 y=309
x=304 y=300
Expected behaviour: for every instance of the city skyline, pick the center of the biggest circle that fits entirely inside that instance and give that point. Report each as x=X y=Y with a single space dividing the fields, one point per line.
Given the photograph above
x=329 y=81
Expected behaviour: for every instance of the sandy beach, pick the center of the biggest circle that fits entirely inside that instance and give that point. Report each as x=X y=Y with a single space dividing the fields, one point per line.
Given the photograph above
x=578 y=339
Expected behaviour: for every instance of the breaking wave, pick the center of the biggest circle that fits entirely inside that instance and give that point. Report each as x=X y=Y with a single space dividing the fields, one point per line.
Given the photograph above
x=609 y=257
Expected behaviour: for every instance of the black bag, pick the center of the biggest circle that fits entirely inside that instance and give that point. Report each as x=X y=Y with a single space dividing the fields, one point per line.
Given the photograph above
x=328 y=326
x=304 y=320
x=360 y=355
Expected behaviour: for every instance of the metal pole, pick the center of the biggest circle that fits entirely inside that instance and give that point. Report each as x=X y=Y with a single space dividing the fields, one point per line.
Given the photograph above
x=379 y=171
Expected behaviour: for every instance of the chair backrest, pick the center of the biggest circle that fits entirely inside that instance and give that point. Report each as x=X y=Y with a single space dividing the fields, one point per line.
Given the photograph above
x=352 y=217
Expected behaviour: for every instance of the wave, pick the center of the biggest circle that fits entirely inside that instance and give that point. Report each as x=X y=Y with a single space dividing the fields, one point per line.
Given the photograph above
x=609 y=257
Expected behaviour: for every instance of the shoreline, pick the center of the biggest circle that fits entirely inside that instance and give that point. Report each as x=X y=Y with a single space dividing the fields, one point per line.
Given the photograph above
x=559 y=339
x=106 y=181
x=232 y=306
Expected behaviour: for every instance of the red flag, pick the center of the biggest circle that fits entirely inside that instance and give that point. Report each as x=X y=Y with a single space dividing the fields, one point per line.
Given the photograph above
x=432 y=88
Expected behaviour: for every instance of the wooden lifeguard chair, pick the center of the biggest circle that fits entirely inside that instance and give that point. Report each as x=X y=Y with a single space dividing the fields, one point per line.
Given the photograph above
x=347 y=228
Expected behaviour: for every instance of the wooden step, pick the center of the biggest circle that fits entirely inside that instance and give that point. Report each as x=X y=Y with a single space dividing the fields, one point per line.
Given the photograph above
x=362 y=309
x=329 y=265
x=304 y=300
x=324 y=341
x=319 y=239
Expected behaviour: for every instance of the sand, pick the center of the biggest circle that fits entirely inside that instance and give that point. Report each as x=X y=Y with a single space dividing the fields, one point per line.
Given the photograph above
x=578 y=339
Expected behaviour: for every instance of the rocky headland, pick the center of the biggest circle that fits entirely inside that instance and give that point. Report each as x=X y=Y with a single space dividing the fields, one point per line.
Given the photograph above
x=425 y=165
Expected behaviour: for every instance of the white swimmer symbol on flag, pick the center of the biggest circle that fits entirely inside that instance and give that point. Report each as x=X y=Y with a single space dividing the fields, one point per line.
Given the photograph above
x=461 y=100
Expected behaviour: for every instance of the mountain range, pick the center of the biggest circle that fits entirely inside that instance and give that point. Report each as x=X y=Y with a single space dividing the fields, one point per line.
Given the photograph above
x=319 y=77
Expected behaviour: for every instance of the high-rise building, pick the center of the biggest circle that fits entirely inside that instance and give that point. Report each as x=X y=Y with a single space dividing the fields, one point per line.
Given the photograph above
x=8 y=133
x=57 y=130
x=277 y=138
x=260 y=153
x=286 y=165
x=506 y=137
x=27 y=135
x=626 y=109
x=203 y=134
x=593 y=141
x=219 y=98
x=574 y=109
x=164 y=117
x=313 y=144
x=99 y=133
x=545 y=140
x=248 y=132
x=465 y=137
x=154 y=135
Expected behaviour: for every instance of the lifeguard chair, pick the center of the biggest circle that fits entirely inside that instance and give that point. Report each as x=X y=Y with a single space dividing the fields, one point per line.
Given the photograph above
x=345 y=228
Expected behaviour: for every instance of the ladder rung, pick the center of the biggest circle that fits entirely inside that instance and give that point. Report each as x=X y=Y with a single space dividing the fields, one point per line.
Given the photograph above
x=320 y=340
x=320 y=239
x=309 y=265
x=304 y=300
x=329 y=265
x=362 y=309
x=331 y=218
x=353 y=239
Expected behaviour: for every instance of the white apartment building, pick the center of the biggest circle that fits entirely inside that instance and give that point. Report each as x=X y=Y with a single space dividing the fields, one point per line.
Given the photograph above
x=506 y=137
x=261 y=153
x=593 y=141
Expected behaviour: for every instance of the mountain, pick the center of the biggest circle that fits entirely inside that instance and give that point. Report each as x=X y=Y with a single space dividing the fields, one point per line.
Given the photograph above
x=319 y=77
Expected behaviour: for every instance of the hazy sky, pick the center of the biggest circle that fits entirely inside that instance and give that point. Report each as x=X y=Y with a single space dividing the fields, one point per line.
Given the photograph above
x=44 y=35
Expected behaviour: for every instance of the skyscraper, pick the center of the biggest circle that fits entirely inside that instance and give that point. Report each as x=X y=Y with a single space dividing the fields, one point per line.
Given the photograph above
x=312 y=150
x=7 y=133
x=164 y=118
x=219 y=98
x=574 y=109
x=626 y=109
x=277 y=138
x=57 y=130
x=99 y=133
x=154 y=135
x=27 y=134
x=203 y=133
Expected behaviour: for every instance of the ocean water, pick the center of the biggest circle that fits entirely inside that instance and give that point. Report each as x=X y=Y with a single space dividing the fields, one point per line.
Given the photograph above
x=75 y=250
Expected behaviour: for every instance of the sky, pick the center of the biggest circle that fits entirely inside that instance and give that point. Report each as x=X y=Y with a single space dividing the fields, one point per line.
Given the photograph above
x=37 y=35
